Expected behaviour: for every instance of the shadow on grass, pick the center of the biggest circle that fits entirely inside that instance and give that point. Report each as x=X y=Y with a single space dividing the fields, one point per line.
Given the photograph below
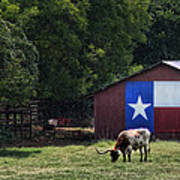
x=67 y=142
x=18 y=153
x=43 y=142
x=62 y=137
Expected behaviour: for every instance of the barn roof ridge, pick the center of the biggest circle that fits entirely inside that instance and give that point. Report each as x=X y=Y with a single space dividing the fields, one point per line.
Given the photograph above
x=174 y=64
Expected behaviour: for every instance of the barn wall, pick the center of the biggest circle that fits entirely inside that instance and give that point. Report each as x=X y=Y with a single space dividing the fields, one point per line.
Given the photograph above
x=109 y=110
x=110 y=103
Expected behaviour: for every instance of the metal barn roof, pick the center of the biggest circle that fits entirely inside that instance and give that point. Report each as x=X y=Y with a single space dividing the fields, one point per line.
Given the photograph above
x=175 y=64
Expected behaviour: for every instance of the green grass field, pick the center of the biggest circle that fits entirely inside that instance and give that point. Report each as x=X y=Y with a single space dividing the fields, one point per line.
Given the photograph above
x=80 y=161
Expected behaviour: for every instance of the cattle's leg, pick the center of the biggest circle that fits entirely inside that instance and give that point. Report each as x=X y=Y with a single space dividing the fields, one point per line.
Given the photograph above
x=124 y=157
x=145 y=152
x=129 y=157
x=141 y=153
x=129 y=150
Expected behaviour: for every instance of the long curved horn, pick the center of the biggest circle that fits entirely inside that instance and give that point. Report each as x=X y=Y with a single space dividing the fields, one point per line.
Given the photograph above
x=104 y=152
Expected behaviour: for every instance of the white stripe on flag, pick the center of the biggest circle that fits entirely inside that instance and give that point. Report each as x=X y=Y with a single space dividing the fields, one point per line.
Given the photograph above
x=167 y=93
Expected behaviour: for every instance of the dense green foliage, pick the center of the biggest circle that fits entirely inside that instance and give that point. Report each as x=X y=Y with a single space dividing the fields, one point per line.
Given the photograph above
x=18 y=68
x=84 y=45
x=163 y=36
x=79 y=161
x=61 y=27
x=115 y=29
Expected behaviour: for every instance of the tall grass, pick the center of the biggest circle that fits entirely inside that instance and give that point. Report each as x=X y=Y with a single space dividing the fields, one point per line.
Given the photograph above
x=80 y=161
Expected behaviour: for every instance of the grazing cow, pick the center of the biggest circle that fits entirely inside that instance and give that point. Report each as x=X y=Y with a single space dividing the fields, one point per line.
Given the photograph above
x=129 y=140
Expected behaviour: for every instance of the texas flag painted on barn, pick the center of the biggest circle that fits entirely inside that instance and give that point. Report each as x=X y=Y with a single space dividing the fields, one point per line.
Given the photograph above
x=149 y=102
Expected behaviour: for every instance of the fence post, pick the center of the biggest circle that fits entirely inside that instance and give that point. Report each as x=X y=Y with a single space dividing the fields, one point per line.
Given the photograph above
x=15 y=124
x=7 y=115
x=30 y=135
x=22 y=128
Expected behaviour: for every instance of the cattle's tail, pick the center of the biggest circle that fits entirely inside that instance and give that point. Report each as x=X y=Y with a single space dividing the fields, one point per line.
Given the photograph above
x=149 y=148
x=152 y=139
x=149 y=151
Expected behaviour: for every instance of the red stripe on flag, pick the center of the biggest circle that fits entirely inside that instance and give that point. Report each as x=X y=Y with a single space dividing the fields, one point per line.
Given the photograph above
x=166 y=119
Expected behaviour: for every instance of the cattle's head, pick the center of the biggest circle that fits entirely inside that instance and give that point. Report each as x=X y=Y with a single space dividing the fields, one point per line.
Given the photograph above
x=113 y=153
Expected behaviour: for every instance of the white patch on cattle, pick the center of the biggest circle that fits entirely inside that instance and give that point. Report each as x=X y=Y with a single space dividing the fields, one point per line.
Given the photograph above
x=119 y=152
x=129 y=149
x=141 y=139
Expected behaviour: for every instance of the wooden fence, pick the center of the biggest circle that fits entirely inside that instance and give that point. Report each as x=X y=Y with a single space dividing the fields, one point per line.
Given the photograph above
x=19 y=120
x=22 y=120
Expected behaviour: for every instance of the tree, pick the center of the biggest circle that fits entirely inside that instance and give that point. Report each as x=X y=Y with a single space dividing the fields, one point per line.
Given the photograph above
x=83 y=45
x=116 y=26
x=58 y=29
x=163 y=42
x=18 y=67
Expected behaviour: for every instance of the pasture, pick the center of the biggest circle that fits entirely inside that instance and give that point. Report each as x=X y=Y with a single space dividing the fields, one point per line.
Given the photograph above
x=77 y=160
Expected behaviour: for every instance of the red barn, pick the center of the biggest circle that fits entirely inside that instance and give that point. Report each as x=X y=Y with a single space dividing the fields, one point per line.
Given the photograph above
x=150 y=98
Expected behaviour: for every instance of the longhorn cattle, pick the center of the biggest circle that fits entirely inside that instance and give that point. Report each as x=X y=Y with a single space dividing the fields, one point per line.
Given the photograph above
x=129 y=140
